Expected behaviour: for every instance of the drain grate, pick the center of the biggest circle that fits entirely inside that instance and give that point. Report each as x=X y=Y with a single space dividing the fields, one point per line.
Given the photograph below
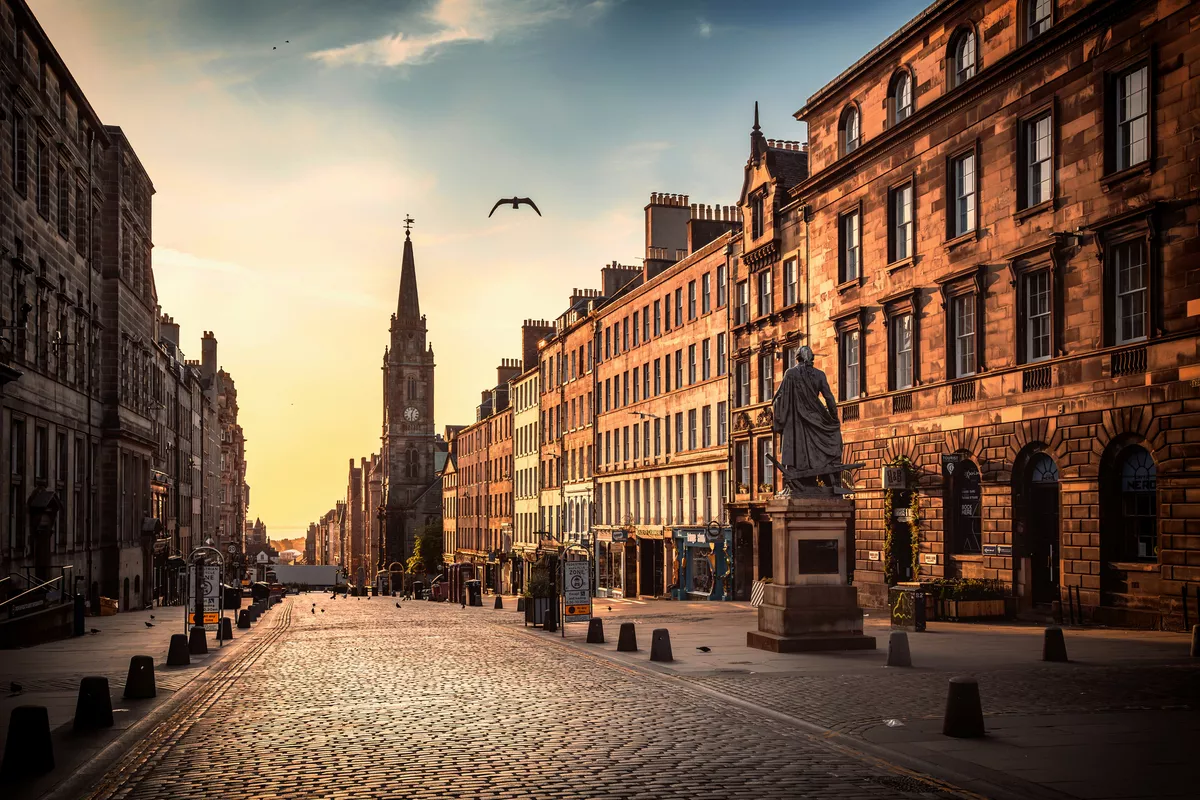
x=903 y=783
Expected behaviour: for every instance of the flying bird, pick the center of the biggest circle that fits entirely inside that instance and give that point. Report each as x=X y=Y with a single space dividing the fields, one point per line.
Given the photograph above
x=516 y=202
x=704 y=649
x=149 y=624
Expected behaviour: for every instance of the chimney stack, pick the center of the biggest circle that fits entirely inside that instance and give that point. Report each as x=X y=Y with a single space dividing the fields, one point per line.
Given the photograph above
x=208 y=355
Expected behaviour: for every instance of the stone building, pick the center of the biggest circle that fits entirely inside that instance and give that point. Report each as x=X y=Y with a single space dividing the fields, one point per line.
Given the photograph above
x=450 y=543
x=662 y=411
x=411 y=486
x=232 y=498
x=996 y=238
x=356 y=533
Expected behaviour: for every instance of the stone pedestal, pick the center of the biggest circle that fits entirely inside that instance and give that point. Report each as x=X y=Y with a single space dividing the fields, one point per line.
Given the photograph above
x=810 y=607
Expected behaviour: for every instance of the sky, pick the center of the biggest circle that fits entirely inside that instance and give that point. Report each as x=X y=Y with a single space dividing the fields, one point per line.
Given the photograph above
x=288 y=140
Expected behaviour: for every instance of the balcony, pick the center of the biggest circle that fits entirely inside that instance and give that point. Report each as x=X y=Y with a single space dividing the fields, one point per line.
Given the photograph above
x=850 y=413
x=1035 y=379
x=962 y=391
x=902 y=403
x=1128 y=362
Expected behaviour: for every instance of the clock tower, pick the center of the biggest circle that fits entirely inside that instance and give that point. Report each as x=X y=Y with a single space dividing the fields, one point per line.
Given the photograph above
x=412 y=492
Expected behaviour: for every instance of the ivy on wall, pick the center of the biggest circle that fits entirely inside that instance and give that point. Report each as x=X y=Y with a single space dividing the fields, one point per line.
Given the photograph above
x=915 y=521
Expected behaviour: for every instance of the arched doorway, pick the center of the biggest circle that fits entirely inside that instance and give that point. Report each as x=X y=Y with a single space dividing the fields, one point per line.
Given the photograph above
x=1036 y=523
x=1129 y=520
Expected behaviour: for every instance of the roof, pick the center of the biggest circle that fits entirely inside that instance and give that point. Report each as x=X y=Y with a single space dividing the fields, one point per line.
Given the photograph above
x=790 y=167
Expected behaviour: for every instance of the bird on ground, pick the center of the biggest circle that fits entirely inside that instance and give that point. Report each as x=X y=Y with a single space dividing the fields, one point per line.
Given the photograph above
x=704 y=649
x=15 y=688
x=314 y=611
x=322 y=611
x=516 y=202
x=397 y=605
x=151 y=616
x=149 y=624
x=610 y=608
x=94 y=630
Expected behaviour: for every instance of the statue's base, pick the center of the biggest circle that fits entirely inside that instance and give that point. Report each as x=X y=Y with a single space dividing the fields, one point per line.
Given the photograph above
x=814 y=643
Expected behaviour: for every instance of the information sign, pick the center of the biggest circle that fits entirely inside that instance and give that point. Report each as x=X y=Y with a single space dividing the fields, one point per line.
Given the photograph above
x=577 y=596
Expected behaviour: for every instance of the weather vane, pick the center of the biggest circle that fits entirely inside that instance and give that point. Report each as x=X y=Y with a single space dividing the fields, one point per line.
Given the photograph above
x=408 y=221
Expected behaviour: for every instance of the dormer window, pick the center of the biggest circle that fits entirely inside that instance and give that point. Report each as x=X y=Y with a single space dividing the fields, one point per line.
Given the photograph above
x=756 y=217
x=962 y=58
x=900 y=97
x=1039 y=16
x=849 y=131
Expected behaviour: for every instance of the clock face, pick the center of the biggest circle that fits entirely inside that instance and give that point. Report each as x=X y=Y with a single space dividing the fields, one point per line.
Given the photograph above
x=411 y=414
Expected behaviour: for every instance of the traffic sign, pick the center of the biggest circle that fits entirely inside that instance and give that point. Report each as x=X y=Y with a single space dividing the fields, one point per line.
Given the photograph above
x=210 y=590
x=577 y=595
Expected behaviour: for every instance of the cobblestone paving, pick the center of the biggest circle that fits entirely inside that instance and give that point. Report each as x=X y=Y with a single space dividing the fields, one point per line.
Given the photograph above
x=430 y=700
x=851 y=703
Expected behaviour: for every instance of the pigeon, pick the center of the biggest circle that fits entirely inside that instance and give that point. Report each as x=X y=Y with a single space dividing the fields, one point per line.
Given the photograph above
x=274 y=48
x=151 y=616
x=314 y=611
x=15 y=688
x=397 y=605
x=610 y=608
x=149 y=624
x=704 y=649
x=516 y=202
x=94 y=630
x=322 y=611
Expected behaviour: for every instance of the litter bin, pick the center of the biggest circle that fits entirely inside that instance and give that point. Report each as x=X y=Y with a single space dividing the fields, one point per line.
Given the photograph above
x=907 y=607
x=474 y=593
x=233 y=597
x=260 y=591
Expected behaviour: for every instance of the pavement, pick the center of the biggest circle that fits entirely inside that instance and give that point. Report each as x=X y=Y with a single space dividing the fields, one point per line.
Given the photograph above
x=434 y=700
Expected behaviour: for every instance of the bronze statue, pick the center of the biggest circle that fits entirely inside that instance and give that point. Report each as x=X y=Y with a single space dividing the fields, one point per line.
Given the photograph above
x=805 y=416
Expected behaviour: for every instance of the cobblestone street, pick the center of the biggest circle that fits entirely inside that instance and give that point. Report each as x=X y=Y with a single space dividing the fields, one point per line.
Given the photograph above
x=430 y=700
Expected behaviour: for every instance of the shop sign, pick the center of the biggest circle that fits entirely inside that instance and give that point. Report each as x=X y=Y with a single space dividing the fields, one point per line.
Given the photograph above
x=620 y=537
x=895 y=477
x=872 y=555
x=902 y=514
x=1004 y=550
x=929 y=558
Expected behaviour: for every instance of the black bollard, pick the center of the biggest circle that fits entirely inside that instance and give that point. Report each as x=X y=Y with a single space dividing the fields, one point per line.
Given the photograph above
x=93 y=709
x=964 y=714
x=198 y=641
x=1054 y=646
x=898 y=652
x=660 y=645
x=499 y=602
x=244 y=619
x=78 y=627
x=595 y=631
x=139 y=682
x=225 y=630
x=177 y=655
x=550 y=623
x=626 y=639
x=520 y=604
x=27 y=749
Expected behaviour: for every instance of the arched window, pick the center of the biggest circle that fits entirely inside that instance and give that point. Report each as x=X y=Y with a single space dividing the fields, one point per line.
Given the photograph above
x=412 y=463
x=900 y=97
x=849 y=131
x=1136 y=507
x=412 y=388
x=1038 y=17
x=961 y=66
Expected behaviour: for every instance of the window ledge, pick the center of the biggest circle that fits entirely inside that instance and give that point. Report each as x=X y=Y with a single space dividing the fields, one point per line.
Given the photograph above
x=1134 y=566
x=1025 y=213
x=966 y=559
x=846 y=286
x=901 y=264
x=1115 y=178
x=970 y=236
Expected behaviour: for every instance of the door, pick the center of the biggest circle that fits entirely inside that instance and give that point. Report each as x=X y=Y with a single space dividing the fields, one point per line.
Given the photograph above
x=1041 y=525
x=631 y=568
x=901 y=554
x=743 y=561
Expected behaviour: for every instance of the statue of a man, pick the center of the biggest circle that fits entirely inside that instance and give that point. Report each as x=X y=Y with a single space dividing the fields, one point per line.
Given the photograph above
x=806 y=417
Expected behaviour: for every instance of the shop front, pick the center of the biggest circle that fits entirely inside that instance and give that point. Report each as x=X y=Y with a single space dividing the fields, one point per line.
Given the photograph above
x=611 y=545
x=704 y=571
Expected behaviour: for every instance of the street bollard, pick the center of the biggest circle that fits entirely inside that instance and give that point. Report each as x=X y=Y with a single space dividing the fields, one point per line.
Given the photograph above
x=627 y=639
x=93 y=709
x=198 y=641
x=28 y=750
x=964 y=713
x=520 y=604
x=550 y=621
x=1054 y=646
x=177 y=654
x=1196 y=641
x=499 y=602
x=898 y=652
x=595 y=631
x=244 y=619
x=225 y=630
x=660 y=645
x=139 y=681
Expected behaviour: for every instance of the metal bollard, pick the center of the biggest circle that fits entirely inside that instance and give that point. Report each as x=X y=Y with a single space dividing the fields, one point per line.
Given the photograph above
x=627 y=638
x=964 y=713
x=898 y=653
x=93 y=709
x=28 y=749
x=1054 y=645
x=139 y=681
x=178 y=655
x=660 y=645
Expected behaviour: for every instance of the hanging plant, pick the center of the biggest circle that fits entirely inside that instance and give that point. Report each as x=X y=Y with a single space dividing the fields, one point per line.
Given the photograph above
x=915 y=527
x=887 y=537
x=889 y=501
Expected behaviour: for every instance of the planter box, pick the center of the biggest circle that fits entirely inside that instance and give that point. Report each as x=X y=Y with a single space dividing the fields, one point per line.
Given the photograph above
x=970 y=609
x=535 y=610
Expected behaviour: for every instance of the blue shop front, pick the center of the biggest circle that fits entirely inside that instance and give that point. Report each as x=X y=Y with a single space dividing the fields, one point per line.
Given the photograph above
x=703 y=557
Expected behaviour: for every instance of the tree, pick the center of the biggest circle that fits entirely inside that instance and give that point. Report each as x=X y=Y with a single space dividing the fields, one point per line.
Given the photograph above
x=427 y=549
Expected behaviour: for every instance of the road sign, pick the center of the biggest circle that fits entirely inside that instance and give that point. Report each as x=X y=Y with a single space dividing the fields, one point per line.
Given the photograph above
x=577 y=595
x=210 y=590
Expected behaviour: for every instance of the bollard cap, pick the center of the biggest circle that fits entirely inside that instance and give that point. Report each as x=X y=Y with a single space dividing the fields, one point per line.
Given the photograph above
x=963 y=679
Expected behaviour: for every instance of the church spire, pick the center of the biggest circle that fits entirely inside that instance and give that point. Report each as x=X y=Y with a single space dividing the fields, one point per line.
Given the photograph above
x=409 y=308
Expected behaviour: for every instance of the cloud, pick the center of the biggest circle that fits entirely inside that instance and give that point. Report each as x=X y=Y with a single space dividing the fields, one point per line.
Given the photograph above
x=454 y=22
x=705 y=30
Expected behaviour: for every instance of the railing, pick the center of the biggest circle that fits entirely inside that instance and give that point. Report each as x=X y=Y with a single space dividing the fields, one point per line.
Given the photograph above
x=31 y=590
x=849 y=413
x=902 y=403
x=963 y=391
x=1036 y=378
x=1128 y=362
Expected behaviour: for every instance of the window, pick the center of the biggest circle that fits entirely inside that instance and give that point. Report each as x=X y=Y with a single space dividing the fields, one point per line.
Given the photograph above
x=1039 y=16
x=962 y=179
x=766 y=293
x=741 y=311
x=722 y=424
x=849 y=351
x=720 y=354
x=1137 y=507
x=625 y=334
x=636 y=316
x=706 y=426
x=20 y=142
x=900 y=336
x=766 y=377
x=679 y=432
x=657 y=377
x=1036 y=291
x=667 y=372
x=692 y=430
x=791 y=356
x=625 y=389
x=962 y=315
x=743 y=466
x=636 y=384
x=721 y=286
x=742 y=386
x=900 y=222
x=850 y=246
x=900 y=98
x=691 y=300
x=962 y=58
x=41 y=455
x=646 y=381
x=1131 y=120
x=691 y=364
x=64 y=202
x=657 y=317
x=679 y=306
x=608 y=342
x=848 y=130
x=679 y=369
x=42 y=165
x=1128 y=263
x=646 y=323
x=705 y=293
x=705 y=360
x=1037 y=152
x=766 y=470
x=667 y=312
x=789 y=282
x=757 y=223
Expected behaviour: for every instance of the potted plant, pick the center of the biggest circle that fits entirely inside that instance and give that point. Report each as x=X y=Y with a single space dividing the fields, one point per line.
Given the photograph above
x=966 y=598
x=538 y=596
